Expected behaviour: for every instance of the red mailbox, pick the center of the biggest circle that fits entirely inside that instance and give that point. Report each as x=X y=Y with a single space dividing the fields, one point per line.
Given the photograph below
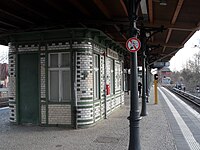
x=107 y=89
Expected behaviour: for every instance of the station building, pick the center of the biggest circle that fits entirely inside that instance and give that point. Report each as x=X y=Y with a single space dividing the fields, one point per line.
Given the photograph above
x=69 y=77
x=165 y=76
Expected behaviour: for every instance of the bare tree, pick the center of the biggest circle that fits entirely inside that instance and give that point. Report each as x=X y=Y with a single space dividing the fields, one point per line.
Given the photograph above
x=190 y=74
x=3 y=64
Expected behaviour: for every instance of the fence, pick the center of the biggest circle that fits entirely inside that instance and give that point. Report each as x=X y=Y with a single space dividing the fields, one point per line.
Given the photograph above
x=4 y=97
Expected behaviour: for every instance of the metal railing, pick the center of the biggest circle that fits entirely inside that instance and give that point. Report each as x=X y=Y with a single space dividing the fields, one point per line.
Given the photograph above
x=4 y=98
x=3 y=92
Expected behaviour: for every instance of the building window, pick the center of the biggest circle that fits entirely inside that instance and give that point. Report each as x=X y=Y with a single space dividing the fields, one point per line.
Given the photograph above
x=111 y=77
x=96 y=76
x=59 y=77
x=118 y=76
x=122 y=77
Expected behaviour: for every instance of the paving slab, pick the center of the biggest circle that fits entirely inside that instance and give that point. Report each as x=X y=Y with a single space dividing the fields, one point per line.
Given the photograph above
x=108 y=134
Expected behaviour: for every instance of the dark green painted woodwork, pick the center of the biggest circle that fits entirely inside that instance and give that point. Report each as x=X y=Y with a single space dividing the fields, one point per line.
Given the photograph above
x=86 y=98
x=28 y=89
x=46 y=84
x=87 y=120
x=84 y=107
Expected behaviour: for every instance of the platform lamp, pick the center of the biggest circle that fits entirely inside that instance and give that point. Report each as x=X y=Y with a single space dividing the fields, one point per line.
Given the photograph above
x=163 y=2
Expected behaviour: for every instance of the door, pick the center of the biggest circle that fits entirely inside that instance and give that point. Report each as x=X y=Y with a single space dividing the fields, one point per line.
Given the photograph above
x=28 y=89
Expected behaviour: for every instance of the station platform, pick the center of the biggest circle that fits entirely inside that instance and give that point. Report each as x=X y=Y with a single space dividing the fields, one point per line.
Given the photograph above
x=169 y=125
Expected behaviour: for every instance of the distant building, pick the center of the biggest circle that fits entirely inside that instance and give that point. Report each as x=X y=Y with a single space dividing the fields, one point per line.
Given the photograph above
x=165 y=75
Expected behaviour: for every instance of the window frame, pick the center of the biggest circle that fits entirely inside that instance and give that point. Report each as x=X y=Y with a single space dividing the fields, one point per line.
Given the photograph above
x=118 y=76
x=60 y=70
x=112 y=77
x=96 y=82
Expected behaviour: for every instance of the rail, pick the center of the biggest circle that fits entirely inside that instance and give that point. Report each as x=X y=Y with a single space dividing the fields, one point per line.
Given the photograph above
x=192 y=98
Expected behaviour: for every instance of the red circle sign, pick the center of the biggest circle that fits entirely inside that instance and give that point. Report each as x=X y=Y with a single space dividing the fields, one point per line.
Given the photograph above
x=133 y=44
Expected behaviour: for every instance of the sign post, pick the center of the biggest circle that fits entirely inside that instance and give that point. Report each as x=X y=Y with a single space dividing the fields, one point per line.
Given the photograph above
x=155 y=88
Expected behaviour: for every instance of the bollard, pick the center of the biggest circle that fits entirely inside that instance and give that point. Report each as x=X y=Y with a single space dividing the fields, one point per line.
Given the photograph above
x=155 y=92
x=155 y=88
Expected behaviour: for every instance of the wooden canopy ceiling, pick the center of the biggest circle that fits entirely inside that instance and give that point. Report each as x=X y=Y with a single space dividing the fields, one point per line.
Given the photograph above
x=180 y=18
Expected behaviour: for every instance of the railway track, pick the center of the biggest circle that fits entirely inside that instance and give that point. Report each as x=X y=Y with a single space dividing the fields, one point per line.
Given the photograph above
x=190 y=99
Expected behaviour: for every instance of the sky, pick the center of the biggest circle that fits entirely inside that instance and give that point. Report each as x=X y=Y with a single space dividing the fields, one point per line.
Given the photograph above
x=187 y=52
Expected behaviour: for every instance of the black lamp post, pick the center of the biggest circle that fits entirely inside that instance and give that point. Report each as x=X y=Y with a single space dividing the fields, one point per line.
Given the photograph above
x=134 y=140
x=143 y=48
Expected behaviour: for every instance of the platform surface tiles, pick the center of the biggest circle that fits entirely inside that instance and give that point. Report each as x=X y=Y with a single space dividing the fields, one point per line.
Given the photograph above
x=169 y=125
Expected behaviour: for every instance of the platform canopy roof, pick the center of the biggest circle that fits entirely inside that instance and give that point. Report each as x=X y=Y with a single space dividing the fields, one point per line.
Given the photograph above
x=180 y=19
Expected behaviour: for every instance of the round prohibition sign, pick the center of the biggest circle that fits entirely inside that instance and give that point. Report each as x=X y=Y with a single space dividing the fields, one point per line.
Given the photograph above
x=133 y=44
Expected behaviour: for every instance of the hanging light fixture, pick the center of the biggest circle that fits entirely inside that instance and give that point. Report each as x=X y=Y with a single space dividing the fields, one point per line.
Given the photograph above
x=163 y=2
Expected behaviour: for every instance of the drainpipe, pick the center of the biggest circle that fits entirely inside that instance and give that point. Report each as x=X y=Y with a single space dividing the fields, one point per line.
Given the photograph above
x=75 y=87
x=105 y=78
